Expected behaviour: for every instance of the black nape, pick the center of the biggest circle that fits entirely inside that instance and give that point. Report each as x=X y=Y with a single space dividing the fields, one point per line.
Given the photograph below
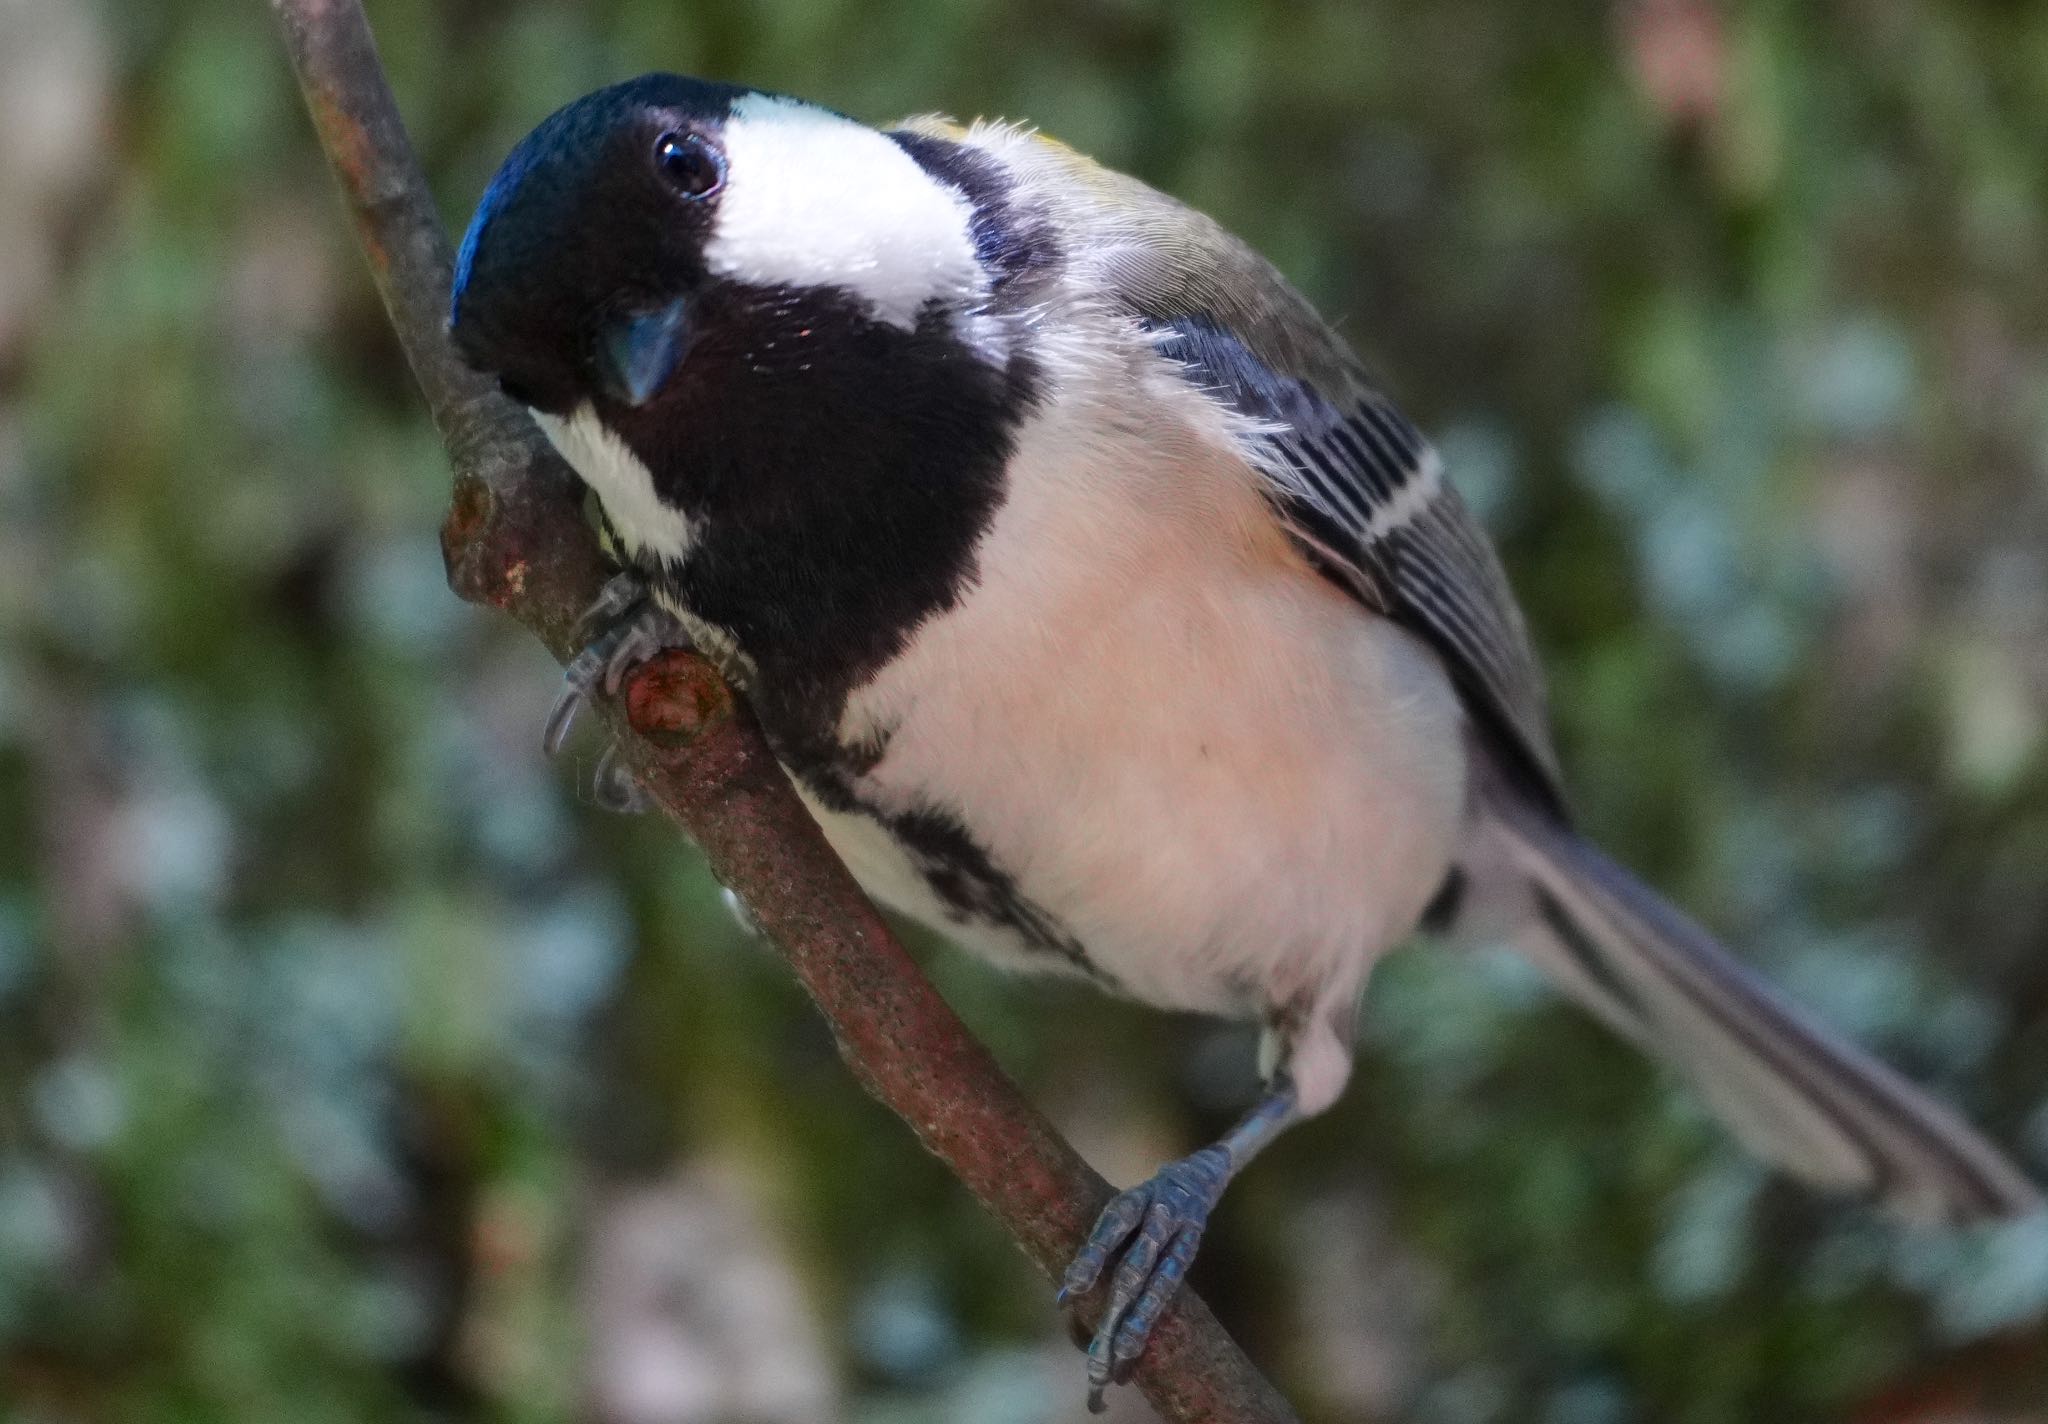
x=1014 y=240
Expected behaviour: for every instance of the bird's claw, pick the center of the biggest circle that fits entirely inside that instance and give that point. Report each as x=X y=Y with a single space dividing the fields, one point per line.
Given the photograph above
x=1152 y=1232
x=614 y=787
x=621 y=594
x=623 y=628
x=612 y=635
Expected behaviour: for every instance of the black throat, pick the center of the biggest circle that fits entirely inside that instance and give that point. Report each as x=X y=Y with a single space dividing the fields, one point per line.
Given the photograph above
x=841 y=471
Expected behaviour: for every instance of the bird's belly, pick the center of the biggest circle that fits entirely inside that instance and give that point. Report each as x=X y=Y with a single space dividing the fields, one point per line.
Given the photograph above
x=1222 y=792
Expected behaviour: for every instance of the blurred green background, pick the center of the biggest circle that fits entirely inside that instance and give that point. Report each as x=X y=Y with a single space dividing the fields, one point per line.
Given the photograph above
x=353 y=1066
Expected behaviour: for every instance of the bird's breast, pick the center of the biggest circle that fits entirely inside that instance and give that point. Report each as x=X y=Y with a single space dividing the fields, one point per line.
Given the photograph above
x=1149 y=742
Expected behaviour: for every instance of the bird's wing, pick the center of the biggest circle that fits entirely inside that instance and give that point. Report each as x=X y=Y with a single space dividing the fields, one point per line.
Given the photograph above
x=1358 y=488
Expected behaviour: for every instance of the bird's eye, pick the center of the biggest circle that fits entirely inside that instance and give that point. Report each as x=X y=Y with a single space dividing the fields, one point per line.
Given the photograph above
x=688 y=164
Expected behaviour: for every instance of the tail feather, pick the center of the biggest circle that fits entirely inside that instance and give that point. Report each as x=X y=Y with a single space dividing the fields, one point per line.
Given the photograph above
x=1795 y=1093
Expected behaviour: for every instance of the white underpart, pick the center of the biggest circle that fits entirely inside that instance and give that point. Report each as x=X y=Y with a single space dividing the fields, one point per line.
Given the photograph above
x=641 y=518
x=814 y=199
x=1233 y=784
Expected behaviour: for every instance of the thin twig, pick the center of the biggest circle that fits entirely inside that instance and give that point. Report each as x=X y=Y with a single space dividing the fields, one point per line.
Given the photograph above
x=515 y=540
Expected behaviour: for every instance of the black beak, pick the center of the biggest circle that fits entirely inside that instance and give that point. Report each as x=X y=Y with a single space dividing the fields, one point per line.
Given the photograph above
x=638 y=354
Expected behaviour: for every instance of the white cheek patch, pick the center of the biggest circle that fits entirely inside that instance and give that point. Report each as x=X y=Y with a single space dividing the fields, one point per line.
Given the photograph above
x=812 y=199
x=624 y=485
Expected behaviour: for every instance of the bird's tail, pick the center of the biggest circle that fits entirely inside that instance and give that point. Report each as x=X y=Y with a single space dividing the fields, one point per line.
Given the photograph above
x=1797 y=1094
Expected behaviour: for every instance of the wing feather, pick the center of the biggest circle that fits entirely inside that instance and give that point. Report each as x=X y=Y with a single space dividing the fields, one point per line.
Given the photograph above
x=1357 y=484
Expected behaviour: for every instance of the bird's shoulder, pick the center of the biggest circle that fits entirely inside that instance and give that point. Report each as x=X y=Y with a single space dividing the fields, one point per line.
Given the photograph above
x=1357 y=486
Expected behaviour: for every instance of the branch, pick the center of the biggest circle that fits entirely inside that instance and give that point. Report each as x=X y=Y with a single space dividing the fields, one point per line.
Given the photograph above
x=515 y=539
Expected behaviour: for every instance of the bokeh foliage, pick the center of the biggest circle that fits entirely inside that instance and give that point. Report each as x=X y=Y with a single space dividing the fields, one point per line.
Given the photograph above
x=339 y=1034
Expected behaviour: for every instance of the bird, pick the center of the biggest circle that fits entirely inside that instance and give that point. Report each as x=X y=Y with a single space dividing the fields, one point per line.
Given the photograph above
x=1101 y=609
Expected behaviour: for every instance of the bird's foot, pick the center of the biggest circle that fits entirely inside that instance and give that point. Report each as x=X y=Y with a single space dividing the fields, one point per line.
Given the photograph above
x=622 y=629
x=1151 y=1232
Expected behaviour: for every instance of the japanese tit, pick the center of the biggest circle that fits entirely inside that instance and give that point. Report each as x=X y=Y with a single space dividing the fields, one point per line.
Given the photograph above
x=1102 y=611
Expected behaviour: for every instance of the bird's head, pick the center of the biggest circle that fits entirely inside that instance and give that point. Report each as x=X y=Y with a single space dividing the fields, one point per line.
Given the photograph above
x=656 y=218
